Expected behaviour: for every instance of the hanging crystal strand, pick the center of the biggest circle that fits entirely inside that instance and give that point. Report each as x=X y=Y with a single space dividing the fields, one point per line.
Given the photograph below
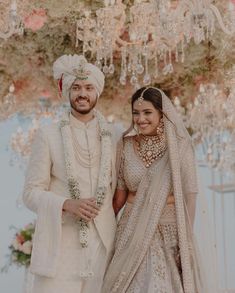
x=85 y=47
x=129 y=65
x=156 y=72
x=123 y=67
x=140 y=67
x=164 y=58
x=135 y=62
x=98 y=58
x=182 y=51
x=165 y=68
x=77 y=34
x=147 y=78
x=207 y=28
x=176 y=54
x=171 y=69
x=105 y=67
x=111 y=65
x=134 y=79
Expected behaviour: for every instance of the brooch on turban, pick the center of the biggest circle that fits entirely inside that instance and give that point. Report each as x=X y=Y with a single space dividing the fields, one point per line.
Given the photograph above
x=81 y=72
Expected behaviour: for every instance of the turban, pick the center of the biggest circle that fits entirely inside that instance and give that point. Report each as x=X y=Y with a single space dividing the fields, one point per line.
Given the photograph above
x=68 y=68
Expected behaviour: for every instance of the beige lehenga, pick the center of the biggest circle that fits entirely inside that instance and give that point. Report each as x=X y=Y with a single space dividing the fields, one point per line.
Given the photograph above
x=155 y=250
x=160 y=270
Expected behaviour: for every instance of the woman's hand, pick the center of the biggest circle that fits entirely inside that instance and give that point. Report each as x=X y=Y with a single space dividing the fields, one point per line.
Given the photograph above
x=170 y=199
x=119 y=200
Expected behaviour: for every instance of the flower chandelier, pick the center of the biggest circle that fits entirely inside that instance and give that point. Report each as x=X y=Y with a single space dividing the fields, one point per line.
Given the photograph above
x=14 y=24
x=150 y=35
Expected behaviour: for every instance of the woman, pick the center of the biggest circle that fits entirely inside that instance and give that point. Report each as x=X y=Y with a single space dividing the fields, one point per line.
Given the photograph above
x=157 y=183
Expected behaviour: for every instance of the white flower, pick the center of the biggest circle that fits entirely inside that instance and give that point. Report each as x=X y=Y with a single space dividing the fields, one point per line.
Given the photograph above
x=15 y=244
x=29 y=226
x=27 y=247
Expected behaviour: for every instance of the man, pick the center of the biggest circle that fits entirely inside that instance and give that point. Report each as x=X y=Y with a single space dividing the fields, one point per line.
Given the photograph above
x=69 y=185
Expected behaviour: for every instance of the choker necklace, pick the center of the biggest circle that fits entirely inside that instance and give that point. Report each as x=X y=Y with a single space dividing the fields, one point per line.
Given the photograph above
x=150 y=148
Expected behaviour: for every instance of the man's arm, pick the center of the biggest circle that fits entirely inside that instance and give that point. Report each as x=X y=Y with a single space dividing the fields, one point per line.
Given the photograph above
x=38 y=176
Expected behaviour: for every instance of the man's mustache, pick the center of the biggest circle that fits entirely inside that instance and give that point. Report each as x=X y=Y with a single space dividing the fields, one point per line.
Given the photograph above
x=82 y=98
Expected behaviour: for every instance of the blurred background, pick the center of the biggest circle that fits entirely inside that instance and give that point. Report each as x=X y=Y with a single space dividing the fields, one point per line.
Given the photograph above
x=185 y=47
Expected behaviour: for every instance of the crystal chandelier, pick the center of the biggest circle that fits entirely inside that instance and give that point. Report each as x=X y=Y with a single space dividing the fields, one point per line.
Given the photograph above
x=211 y=119
x=149 y=35
x=13 y=25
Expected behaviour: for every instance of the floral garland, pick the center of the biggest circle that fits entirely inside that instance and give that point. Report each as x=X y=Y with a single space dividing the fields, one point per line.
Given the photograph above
x=105 y=167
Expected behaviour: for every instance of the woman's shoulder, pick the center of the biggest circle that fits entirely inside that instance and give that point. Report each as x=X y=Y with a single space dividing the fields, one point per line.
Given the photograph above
x=129 y=138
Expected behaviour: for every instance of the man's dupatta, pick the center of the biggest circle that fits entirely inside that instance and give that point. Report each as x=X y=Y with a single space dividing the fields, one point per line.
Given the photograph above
x=176 y=170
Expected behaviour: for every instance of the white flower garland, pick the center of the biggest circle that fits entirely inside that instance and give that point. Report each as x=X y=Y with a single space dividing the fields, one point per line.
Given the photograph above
x=105 y=167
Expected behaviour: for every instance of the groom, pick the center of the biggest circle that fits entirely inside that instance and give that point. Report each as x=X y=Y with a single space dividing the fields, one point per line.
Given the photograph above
x=69 y=185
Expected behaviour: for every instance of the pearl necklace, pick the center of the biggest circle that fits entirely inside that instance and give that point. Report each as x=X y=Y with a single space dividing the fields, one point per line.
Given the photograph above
x=152 y=147
x=86 y=157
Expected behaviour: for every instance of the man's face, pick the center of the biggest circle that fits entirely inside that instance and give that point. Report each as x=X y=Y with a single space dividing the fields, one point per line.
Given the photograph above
x=83 y=96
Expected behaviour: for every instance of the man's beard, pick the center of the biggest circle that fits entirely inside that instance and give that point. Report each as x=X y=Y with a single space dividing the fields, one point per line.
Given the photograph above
x=85 y=111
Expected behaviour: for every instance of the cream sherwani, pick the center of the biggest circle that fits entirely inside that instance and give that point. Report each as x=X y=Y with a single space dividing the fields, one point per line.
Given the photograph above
x=57 y=257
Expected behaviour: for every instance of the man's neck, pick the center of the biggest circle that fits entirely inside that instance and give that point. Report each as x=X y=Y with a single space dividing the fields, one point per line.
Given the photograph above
x=83 y=117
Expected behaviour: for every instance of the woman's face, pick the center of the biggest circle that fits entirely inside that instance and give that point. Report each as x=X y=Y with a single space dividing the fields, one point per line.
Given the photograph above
x=146 y=117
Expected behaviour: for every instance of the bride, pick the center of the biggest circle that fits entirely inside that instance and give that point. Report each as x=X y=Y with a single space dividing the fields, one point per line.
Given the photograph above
x=155 y=249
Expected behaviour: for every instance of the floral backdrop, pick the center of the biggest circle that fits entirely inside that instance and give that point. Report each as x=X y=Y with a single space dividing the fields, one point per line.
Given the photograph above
x=26 y=61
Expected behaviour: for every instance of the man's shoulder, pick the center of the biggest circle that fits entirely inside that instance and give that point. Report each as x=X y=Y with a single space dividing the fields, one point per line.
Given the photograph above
x=50 y=129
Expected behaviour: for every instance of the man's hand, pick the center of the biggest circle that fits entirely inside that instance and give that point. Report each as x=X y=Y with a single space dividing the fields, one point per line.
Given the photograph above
x=86 y=209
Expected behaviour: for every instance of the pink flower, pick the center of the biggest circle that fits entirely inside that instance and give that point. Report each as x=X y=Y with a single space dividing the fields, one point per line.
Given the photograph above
x=20 y=239
x=36 y=19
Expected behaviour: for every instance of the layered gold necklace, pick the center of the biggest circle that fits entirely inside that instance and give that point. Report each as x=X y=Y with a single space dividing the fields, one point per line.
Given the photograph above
x=152 y=147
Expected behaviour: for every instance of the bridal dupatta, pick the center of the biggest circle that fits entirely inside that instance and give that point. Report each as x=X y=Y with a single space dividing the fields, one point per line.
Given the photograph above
x=176 y=171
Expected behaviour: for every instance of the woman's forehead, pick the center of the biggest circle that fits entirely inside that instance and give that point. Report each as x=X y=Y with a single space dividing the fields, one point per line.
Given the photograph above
x=143 y=105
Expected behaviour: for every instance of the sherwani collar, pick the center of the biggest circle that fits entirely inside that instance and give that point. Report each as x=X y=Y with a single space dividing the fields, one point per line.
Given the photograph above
x=82 y=125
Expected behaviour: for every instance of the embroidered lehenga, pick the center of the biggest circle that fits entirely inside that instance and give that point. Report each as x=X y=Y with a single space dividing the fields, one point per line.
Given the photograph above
x=154 y=250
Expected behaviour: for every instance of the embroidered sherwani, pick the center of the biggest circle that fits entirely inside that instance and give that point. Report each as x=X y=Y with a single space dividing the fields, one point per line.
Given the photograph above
x=57 y=257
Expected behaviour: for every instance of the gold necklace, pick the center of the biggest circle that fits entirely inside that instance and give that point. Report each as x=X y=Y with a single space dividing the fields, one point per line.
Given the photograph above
x=152 y=147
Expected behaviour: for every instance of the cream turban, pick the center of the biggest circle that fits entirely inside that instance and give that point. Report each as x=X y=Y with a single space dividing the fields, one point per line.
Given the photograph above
x=68 y=68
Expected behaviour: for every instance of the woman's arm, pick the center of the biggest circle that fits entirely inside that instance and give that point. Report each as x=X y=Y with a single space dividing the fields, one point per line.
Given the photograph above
x=119 y=200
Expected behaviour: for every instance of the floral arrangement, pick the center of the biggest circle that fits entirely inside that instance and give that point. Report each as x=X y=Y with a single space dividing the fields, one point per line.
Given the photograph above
x=21 y=247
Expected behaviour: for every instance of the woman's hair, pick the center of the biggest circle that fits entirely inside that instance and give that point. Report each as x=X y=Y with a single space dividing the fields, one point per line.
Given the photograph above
x=152 y=95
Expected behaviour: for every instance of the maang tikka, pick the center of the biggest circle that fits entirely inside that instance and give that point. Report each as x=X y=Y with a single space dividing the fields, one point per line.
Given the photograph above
x=141 y=97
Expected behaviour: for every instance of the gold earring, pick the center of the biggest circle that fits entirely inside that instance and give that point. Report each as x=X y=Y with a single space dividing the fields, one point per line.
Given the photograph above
x=136 y=129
